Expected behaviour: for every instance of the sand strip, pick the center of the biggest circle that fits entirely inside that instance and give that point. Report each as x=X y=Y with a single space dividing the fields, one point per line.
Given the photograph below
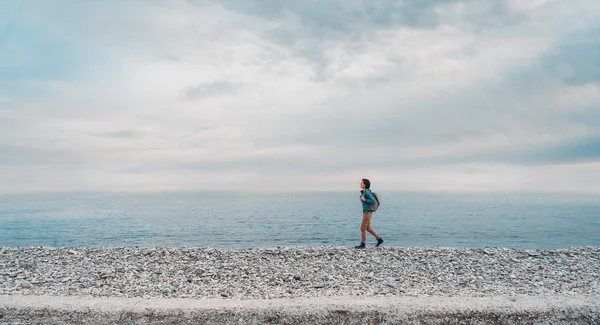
x=15 y=309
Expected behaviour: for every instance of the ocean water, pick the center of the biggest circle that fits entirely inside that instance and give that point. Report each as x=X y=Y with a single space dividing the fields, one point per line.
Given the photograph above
x=259 y=220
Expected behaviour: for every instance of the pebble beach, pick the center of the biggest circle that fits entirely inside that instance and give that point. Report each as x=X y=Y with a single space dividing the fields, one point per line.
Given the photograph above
x=297 y=272
x=288 y=273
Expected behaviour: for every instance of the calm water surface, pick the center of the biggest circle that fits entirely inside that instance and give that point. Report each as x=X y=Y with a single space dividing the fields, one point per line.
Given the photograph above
x=244 y=220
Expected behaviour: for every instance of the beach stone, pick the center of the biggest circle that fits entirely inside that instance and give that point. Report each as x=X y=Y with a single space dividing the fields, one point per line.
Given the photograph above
x=292 y=272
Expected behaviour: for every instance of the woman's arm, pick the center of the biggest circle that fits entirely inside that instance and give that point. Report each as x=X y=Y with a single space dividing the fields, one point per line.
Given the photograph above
x=369 y=199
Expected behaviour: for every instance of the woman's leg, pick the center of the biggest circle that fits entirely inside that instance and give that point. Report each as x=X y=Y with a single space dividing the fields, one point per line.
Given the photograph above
x=369 y=229
x=366 y=223
x=366 y=226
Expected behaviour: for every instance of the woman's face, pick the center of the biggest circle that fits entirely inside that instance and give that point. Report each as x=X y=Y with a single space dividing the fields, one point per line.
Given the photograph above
x=362 y=185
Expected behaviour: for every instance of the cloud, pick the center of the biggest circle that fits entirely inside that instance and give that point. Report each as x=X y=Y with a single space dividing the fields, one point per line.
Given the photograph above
x=210 y=89
x=119 y=134
x=300 y=95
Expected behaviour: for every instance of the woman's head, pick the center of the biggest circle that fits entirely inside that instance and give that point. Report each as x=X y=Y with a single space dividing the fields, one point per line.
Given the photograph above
x=365 y=183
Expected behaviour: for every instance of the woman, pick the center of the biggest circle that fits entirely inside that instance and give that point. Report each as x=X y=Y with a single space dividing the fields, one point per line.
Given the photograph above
x=367 y=199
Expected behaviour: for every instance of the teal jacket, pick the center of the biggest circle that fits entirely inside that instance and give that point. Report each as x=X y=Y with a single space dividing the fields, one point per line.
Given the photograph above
x=369 y=200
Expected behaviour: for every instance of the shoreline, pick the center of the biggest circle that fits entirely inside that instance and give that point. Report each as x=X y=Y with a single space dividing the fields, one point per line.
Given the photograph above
x=383 y=285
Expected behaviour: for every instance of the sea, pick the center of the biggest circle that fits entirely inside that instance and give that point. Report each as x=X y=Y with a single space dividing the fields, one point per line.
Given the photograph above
x=246 y=220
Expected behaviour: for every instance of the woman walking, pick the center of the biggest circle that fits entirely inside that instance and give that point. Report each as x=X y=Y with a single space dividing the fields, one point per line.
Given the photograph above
x=367 y=200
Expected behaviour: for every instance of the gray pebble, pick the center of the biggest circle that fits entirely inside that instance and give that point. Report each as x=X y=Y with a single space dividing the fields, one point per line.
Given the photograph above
x=290 y=272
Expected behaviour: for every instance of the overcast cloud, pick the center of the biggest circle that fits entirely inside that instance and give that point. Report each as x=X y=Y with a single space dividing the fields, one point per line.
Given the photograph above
x=299 y=95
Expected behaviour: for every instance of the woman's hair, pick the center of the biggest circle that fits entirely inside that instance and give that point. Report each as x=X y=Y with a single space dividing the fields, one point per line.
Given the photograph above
x=367 y=183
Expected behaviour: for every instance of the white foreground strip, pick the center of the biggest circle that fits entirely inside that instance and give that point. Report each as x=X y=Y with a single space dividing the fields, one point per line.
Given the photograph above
x=472 y=310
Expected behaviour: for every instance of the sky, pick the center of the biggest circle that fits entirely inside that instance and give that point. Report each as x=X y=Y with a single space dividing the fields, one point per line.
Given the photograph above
x=299 y=95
